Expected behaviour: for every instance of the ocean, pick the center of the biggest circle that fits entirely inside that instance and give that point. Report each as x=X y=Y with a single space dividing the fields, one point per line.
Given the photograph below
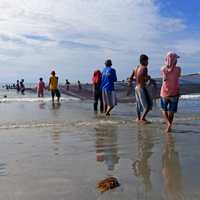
x=62 y=151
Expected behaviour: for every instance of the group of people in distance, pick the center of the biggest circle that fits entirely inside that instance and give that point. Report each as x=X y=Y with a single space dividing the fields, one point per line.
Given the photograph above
x=20 y=87
x=104 y=91
x=52 y=86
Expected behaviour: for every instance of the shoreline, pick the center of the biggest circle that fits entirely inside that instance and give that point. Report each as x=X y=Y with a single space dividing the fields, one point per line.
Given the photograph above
x=189 y=84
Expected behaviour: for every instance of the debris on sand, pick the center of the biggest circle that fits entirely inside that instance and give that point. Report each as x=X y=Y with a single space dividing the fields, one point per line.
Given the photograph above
x=107 y=184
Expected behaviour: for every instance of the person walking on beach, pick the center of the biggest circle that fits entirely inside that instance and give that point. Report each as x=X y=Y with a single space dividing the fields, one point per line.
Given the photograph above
x=40 y=87
x=107 y=85
x=96 y=81
x=79 y=85
x=53 y=86
x=17 y=86
x=67 y=83
x=22 y=86
x=143 y=99
x=170 y=88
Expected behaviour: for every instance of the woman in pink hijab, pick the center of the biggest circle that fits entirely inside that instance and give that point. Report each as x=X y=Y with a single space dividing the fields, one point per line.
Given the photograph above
x=170 y=88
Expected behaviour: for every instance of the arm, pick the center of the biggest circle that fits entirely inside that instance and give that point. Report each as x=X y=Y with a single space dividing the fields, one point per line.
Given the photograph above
x=179 y=72
x=163 y=74
x=114 y=76
x=132 y=76
x=49 y=83
x=147 y=77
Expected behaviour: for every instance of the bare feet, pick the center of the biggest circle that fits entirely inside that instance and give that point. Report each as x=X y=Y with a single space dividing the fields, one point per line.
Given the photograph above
x=137 y=120
x=169 y=128
x=107 y=114
x=144 y=121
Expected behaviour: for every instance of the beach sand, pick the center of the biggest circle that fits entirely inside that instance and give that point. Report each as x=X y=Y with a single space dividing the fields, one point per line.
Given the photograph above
x=61 y=152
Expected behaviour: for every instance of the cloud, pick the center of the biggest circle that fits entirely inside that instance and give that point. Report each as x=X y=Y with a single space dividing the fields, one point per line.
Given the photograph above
x=70 y=34
x=188 y=46
x=37 y=37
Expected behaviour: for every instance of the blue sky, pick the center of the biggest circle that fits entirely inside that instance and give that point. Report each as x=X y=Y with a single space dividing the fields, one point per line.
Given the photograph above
x=188 y=11
x=74 y=37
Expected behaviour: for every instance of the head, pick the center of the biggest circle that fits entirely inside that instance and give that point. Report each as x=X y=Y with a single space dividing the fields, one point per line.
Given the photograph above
x=41 y=79
x=144 y=60
x=17 y=81
x=108 y=63
x=53 y=73
x=97 y=72
x=171 y=59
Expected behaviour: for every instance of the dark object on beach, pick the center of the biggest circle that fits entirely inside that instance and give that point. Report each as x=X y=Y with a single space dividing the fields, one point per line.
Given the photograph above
x=18 y=86
x=5 y=96
x=108 y=184
x=22 y=86
x=67 y=83
x=79 y=85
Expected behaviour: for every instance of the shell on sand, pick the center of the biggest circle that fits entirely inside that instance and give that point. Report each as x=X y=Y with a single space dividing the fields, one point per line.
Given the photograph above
x=107 y=184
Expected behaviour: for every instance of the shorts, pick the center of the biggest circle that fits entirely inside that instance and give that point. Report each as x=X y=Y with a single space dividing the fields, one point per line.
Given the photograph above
x=143 y=99
x=169 y=104
x=55 y=93
x=109 y=98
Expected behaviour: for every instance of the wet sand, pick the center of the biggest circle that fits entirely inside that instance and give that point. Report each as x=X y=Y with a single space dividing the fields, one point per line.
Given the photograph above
x=63 y=152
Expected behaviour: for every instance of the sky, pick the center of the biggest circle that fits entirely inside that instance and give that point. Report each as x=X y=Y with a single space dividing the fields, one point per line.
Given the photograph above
x=75 y=37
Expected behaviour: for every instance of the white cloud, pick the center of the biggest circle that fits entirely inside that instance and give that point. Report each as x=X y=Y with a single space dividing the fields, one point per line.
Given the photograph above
x=188 y=46
x=121 y=29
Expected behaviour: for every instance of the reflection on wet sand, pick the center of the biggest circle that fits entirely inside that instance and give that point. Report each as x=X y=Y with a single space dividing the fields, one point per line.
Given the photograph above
x=106 y=146
x=141 y=166
x=3 y=167
x=42 y=105
x=55 y=106
x=56 y=139
x=171 y=170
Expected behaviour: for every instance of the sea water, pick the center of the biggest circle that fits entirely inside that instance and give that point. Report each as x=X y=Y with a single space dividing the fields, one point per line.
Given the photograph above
x=61 y=151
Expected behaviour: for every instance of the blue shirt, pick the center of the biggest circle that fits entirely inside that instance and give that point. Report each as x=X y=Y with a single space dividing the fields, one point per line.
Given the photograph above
x=108 y=78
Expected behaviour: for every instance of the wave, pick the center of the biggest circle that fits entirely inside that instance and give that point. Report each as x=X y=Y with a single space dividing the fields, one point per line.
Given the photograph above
x=28 y=125
x=90 y=123
x=101 y=122
x=34 y=99
x=191 y=97
x=78 y=124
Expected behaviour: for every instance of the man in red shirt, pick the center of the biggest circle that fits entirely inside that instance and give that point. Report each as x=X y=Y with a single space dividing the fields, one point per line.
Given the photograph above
x=96 y=81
